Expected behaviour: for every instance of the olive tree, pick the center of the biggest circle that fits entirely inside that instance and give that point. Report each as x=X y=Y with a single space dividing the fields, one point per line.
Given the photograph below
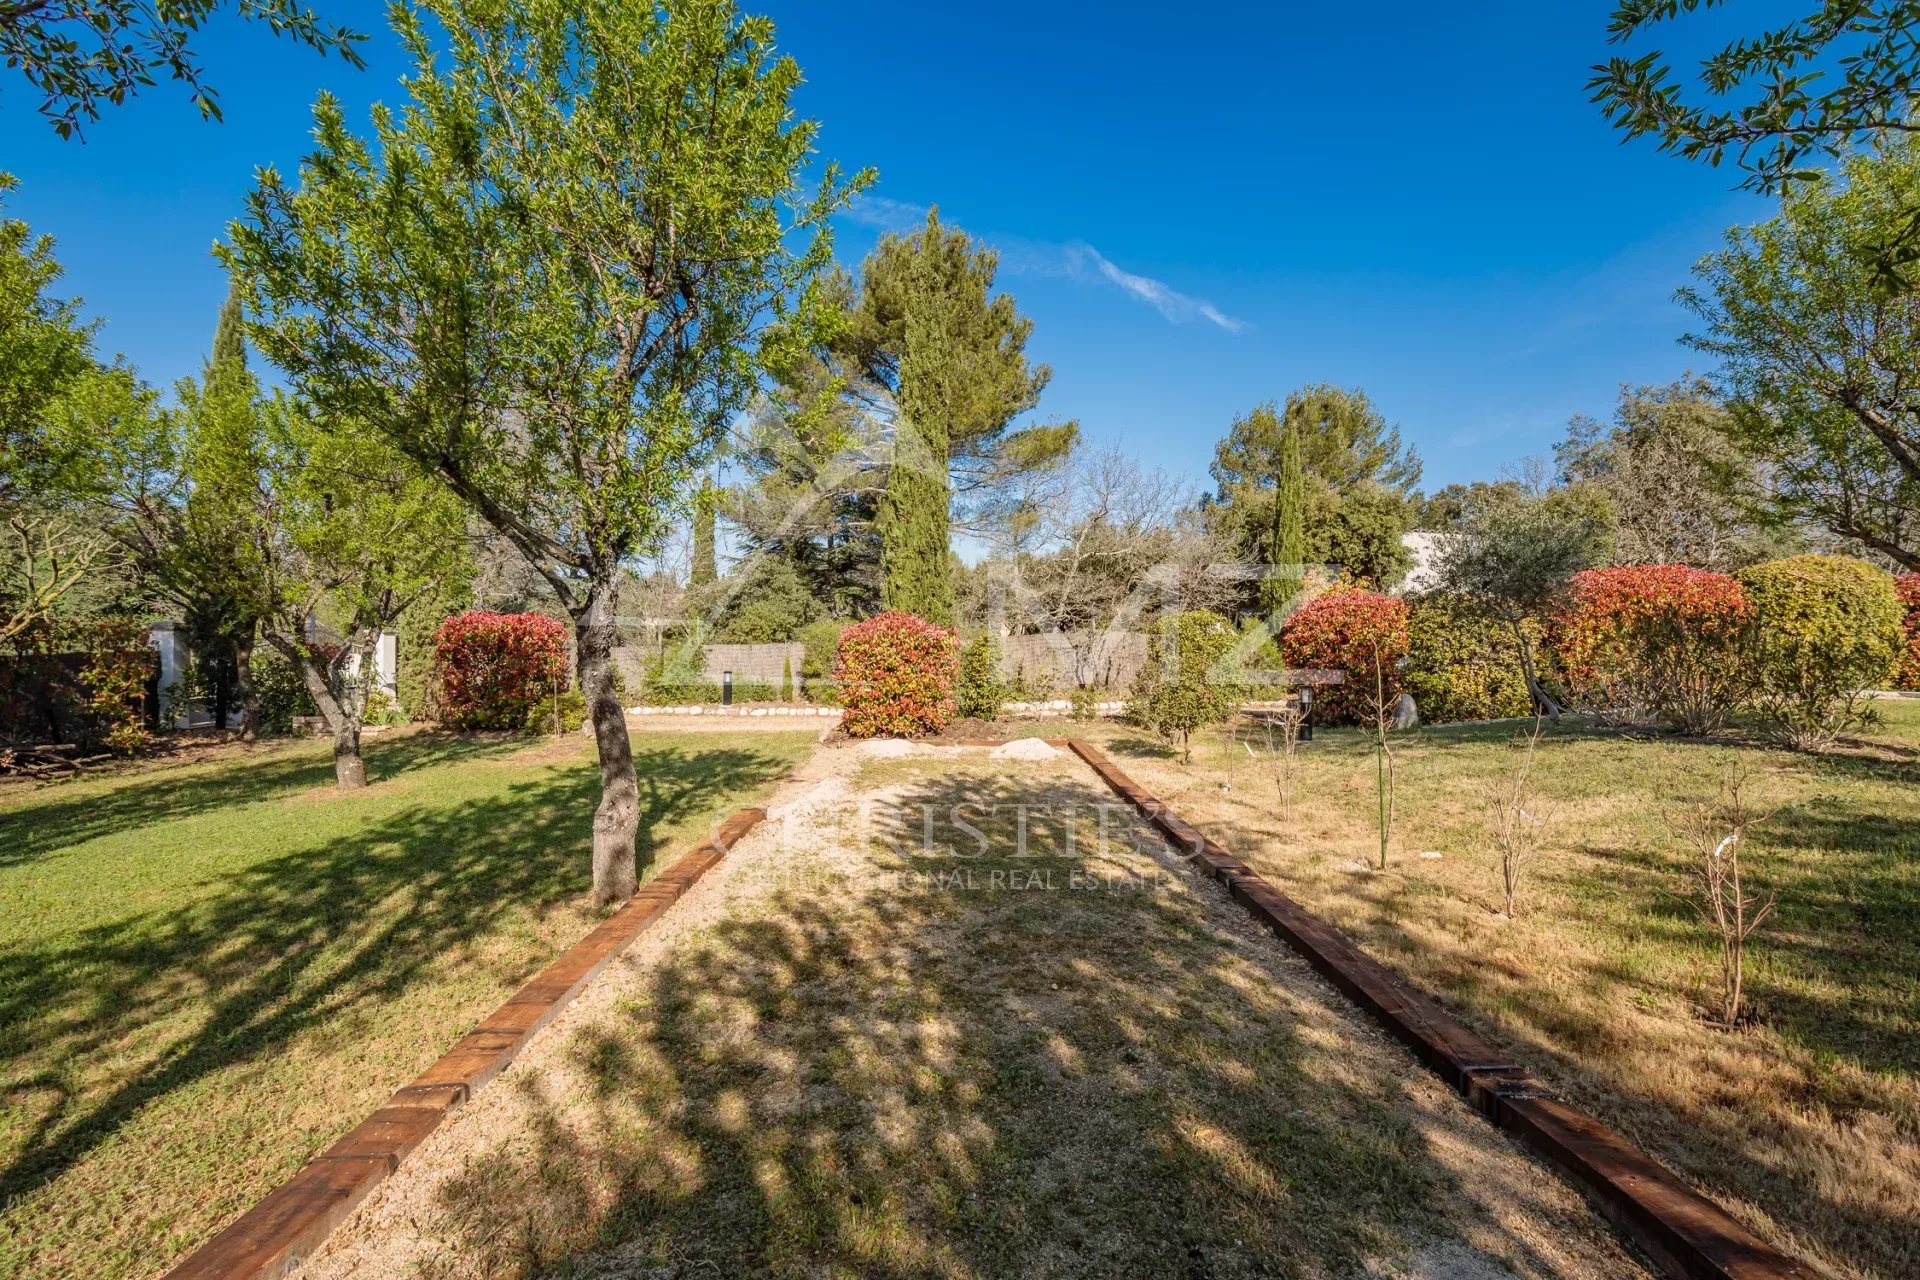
x=357 y=533
x=552 y=277
x=1822 y=356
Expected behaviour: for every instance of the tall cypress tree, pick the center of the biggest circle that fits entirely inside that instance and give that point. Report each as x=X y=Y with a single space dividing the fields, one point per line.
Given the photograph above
x=706 y=566
x=1288 y=548
x=229 y=335
x=219 y=557
x=931 y=330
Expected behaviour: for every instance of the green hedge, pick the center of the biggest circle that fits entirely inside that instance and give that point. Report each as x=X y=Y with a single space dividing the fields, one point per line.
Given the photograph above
x=673 y=693
x=1825 y=628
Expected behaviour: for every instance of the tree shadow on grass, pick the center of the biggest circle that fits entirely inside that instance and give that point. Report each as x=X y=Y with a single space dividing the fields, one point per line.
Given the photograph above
x=295 y=942
x=78 y=812
x=960 y=1065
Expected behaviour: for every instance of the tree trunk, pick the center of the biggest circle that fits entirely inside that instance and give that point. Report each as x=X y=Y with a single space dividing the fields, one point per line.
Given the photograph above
x=617 y=820
x=342 y=714
x=1543 y=703
x=243 y=681
x=222 y=699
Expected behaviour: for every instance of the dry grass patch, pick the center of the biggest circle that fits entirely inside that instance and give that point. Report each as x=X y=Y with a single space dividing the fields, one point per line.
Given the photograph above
x=1027 y=1053
x=1807 y=1124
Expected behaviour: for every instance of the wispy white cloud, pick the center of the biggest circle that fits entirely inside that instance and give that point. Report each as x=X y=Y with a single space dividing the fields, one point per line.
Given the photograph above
x=1162 y=297
x=883 y=214
x=1076 y=260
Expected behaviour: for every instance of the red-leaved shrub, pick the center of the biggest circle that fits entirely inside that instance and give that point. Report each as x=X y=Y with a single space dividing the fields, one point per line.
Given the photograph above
x=1353 y=631
x=896 y=676
x=1659 y=642
x=1907 y=587
x=493 y=668
x=119 y=661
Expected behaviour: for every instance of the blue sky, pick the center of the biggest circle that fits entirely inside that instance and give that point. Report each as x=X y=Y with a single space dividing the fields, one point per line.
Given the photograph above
x=1200 y=207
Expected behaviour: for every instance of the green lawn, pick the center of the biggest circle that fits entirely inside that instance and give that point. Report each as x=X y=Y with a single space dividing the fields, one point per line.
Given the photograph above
x=1807 y=1124
x=208 y=972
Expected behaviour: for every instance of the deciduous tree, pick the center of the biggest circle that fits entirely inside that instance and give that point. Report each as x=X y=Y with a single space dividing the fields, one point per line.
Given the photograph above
x=549 y=278
x=69 y=427
x=1682 y=491
x=1822 y=356
x=1804 y=88
x=79 y=55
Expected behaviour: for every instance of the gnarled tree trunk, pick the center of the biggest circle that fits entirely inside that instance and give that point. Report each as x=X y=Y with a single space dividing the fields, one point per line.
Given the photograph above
x=616 y=821
x=344 y=713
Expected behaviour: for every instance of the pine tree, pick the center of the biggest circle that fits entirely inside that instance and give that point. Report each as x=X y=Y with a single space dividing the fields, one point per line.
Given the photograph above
x=930 y=330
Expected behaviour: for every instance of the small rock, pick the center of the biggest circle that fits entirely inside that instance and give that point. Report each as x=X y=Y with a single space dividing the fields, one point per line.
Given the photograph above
x=1431 y=855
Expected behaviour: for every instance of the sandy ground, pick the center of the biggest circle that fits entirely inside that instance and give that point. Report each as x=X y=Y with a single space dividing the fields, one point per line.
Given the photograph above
x=640 y=726
x=500 y=1188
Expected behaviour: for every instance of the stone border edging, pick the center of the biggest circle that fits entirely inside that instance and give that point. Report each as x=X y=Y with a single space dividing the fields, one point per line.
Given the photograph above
x=1686 y=1235
x=288 y=1224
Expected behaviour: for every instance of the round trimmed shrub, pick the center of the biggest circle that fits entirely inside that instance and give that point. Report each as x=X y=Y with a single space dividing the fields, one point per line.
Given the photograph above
x=1826 y=628
x=1654 y=642
x=1907 y=587
x=1355 y=632
x=896 y=675
x=1462 y=663
x=495 y=668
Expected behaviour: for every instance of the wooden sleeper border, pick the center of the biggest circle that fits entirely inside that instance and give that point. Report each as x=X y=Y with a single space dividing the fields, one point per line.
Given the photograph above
x=1686 y=1235
x=271 y=1239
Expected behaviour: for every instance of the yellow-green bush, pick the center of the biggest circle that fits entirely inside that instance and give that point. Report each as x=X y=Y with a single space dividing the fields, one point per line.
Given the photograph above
x=1825 y=628
x=1462 y=664
x=979 y=692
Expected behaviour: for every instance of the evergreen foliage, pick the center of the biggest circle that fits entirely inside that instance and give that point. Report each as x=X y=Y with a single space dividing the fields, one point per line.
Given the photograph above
x=1187 y=682
x=1352 y=500
x=1826 y=630
x=930 y=330
x=979 y=692
x=896 y=676
x=705 y=565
